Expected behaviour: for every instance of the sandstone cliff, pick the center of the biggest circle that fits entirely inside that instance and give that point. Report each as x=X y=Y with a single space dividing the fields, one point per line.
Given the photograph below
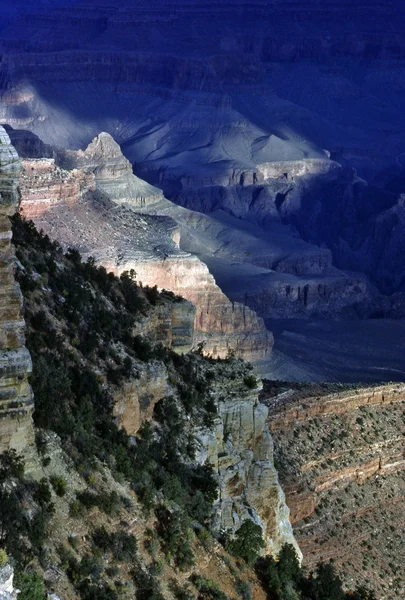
x=16 y=400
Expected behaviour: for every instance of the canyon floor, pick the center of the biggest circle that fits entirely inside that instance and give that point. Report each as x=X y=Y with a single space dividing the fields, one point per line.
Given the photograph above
x=311 y=350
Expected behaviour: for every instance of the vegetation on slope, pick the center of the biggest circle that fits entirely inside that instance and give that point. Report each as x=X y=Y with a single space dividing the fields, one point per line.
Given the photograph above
x=80 y=322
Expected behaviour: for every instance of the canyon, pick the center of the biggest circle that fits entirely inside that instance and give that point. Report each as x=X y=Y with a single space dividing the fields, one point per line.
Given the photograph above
x=237 y=446
x=248 y=157
x=90 y=218
x=283 y=143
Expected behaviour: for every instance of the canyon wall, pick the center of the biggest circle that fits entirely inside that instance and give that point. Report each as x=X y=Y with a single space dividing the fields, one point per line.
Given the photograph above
x=75 y=208
x=341 y=461
x=16 y=399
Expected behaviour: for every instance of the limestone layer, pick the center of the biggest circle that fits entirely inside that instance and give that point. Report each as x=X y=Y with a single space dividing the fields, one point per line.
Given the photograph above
x=16 y=400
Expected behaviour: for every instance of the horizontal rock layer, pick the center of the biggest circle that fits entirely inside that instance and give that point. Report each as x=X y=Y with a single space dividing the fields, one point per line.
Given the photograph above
x=341 y=462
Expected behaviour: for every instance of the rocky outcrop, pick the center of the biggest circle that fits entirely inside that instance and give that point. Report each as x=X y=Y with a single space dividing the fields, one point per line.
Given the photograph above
x=170 y=324
x=112 y=172
x=222 y=326
x=135 y=401
x=7 y=590
x=340 y=459
x=240 y=449
x=44 y=184
x=16 y=400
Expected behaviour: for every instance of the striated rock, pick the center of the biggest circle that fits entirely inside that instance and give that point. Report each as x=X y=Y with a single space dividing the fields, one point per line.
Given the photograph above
x=44 y=184
x=240 y=449
x=220 y=324
x=340 y=458
x=16 y=400
x=112 y=171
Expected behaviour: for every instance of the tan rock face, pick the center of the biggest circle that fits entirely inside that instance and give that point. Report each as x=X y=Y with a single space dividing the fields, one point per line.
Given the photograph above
x=16 y=400
x=340 y=458
x=171 y=324
x=220 y=324
x=134 y=403
x=240 y=449
x=44 y=184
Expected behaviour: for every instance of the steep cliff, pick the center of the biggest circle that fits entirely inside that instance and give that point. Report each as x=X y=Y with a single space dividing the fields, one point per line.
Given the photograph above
x=340 y=459
x=16 y=400
x=240 y=448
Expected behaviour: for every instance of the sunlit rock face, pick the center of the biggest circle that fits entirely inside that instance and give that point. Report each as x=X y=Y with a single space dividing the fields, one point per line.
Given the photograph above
x=112 y=172
x=7 y=589
x=240 y=449
x=44 y=184
x=16 y=400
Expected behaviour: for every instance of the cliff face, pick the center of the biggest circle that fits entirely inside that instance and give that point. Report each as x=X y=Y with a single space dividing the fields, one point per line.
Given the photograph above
x=240 y=448
x=341 y=462
x=44 y=185
x=16 y=399
x=96 y=333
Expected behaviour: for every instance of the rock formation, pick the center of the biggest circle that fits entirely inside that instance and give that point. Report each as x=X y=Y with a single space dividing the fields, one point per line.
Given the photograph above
x=44 y=184
x=240 y=448
x=340 y=459
x=16 y=400
x=64 y=204
x=112 y=171
x=7 y=590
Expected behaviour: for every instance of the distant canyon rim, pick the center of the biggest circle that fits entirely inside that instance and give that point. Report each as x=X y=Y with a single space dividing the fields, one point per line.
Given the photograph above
x=268 y=160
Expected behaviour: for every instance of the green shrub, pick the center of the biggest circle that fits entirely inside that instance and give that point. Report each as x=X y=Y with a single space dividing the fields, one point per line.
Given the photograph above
x=175 y=533
x=250 y=381
x=59 y=484
x=3 y=557
x=121 y=544
x=247 y=542
x=32 y=586
x=208 y=590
